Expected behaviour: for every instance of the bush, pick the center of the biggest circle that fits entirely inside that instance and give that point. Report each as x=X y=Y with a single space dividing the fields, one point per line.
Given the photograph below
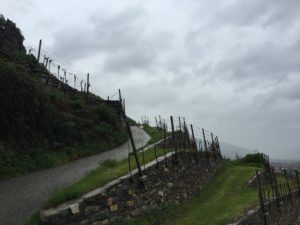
x=256 y=158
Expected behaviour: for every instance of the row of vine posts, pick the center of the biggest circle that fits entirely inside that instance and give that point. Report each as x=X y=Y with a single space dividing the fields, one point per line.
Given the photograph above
x=279 y=195
x=176 y=140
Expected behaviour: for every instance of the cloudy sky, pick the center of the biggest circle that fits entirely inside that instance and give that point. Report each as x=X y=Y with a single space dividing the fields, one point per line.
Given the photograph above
x=232 y=67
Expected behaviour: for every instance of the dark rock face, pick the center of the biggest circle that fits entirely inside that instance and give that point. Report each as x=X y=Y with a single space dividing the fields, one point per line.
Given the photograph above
x=11 y=39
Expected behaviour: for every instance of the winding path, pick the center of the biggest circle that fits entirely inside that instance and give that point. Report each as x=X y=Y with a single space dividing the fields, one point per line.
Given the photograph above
x=20 y=196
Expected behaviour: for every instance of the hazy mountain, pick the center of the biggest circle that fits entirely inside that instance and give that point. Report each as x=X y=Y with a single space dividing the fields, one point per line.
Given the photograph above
x=231 y=151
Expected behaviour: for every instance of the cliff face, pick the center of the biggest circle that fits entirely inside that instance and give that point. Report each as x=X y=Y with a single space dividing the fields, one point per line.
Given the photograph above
x=11 y=39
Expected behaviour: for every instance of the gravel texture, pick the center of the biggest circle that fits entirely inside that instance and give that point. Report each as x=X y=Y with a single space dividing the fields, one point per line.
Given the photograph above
x=20 y=196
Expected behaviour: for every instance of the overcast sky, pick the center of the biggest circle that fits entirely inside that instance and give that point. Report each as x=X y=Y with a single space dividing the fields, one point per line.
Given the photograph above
x=232 y=67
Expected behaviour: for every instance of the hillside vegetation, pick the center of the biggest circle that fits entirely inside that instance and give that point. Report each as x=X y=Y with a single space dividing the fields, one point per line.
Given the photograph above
x=42 y=126
x=155 y=133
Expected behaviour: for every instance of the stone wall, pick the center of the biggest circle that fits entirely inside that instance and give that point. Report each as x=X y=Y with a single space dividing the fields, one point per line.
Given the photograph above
x=287 y=214
x=169 y=179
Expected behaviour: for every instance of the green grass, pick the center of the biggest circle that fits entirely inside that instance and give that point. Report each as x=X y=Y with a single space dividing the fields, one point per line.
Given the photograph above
x=15 y=164
x=107 y=171
x=34 y=219
x=154 y=133
x=223 y=200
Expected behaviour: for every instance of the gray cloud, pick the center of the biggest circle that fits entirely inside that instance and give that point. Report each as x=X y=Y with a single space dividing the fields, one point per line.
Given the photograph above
x=265 y=61
x=100 y=34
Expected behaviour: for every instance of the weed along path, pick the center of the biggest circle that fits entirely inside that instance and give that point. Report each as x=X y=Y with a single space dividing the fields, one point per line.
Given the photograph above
x=20 y=196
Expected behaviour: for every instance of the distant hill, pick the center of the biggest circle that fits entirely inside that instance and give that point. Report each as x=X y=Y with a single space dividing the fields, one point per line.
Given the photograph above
x=231 y=151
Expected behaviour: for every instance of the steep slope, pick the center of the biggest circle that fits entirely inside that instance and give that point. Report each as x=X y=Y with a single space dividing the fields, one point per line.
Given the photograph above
x=44 y=122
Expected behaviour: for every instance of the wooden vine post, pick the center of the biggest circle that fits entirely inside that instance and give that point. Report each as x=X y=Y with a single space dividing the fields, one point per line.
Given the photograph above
x=194 y=140
x=134 y=150
x=173 y=134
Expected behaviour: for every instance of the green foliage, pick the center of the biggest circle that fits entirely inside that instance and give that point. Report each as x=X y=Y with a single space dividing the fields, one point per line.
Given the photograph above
x=256 y=158
x=34 y=219
x=14 y=163
x=109 y=163
x=155 y=133
x=39 y=122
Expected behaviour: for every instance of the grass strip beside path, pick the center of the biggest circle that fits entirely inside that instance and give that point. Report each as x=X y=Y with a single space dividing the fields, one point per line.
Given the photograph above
x=106 y=172
x=16 y=164
x=154 y=133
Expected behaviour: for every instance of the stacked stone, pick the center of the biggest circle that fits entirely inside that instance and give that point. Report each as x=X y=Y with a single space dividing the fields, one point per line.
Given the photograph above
x=172 y=180
x=287 y=214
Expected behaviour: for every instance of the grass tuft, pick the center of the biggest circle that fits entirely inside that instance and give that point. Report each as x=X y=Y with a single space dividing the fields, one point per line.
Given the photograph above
x=109 y=163
x=34 y=219
x=154 y=133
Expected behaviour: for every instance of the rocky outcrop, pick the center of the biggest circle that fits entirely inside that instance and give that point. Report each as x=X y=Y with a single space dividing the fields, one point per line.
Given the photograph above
x=11 y=39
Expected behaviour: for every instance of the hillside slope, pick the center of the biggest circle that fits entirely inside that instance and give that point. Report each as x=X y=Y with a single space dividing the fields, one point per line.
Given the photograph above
x=42 y=125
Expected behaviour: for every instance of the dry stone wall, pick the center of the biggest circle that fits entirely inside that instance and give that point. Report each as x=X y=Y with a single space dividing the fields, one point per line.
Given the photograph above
x=171 y=179
x=287 y=214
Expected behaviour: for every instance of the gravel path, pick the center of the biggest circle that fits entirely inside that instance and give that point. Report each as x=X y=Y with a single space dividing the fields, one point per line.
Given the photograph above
x=21 y=196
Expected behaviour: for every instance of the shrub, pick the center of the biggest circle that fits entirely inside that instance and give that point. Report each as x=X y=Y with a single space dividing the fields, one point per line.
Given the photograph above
x=256 y=158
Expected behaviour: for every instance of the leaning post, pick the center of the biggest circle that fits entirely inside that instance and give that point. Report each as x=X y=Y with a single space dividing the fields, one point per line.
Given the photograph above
x=39 y=51
x=204 y=139
x=134 y=150
x=193 y=136
x=173 y=134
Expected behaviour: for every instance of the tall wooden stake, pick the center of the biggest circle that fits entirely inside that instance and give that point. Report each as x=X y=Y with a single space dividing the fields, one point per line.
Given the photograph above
x=181 y=141
x=165 y=139
x=204 y=139
x=58 y=68
x=88 y=83
x=218 y=144
x=173 y=134
x=193 y=136
x=50 y=61
x=186 y=134
x=134 y=149
x=212 y=137
x=120 y=96
x=124 y=108
x=39 y=50
x=182 y=138
x=65 y=76
x=213 y=144
x=74 y=80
